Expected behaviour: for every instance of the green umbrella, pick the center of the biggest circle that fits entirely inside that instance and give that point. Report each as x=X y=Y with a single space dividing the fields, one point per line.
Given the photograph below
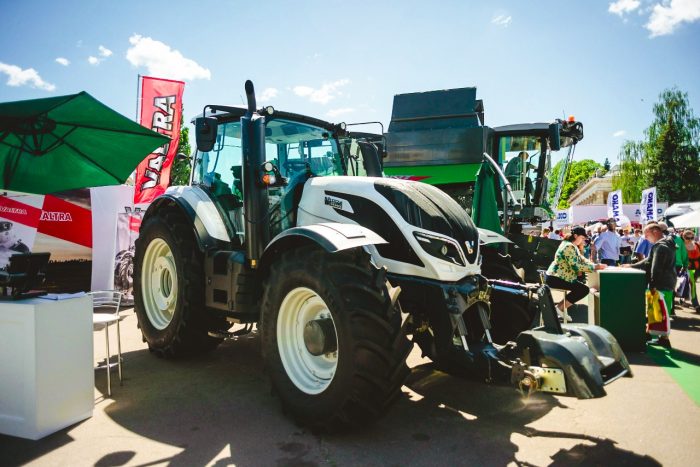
x=67 y=142
x=484 y=207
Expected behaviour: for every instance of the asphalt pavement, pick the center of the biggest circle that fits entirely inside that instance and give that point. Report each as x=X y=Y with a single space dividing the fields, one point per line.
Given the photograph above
x=218 y=410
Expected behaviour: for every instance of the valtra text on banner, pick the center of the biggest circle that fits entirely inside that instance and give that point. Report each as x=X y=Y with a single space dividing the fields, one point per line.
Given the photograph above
x=161 y=111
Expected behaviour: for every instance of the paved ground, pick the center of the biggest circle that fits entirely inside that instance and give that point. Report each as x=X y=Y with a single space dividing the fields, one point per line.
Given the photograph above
x=218 y=410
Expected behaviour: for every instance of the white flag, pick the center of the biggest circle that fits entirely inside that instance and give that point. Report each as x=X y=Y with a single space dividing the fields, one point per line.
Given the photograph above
x=647 y=208
x=615 y=208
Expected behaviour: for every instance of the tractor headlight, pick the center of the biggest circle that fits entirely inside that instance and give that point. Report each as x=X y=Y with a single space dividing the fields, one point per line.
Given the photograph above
x=441 y=247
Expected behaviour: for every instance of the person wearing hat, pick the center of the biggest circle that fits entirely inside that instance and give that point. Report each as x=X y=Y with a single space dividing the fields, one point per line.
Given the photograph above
x=661 y=277
x=608 y=245
x=568 y=264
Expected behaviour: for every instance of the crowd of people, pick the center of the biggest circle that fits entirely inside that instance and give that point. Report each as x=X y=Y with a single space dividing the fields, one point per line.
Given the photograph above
x=670 y=258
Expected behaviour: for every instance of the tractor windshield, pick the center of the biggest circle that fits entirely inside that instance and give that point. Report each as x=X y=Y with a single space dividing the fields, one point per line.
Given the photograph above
x=299 y=150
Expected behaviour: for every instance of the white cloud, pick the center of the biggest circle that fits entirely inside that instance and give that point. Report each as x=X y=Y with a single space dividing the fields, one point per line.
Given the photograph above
x=162 y=61
x=93 y=60
x=338 y=112
x=104 y=51
x=619 y=133
x=20 y=77
x=620 y=7
x=267 y=94
x=502 y=20
x=323 y=95
x=667 y=16
x=63 y=61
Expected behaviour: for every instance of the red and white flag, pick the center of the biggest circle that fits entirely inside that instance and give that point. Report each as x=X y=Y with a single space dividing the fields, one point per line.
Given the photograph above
x=161 y=111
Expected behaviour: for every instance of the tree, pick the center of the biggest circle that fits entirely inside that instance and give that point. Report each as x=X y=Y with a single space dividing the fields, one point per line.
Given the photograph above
x=579 y=173
x=180 y=171
x=668 y=158
x=673 y=143
x=632 y=177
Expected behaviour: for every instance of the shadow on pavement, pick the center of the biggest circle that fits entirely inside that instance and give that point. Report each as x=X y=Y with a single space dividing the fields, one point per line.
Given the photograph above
x=217 y=409
x=19 y=451
x=492 y=414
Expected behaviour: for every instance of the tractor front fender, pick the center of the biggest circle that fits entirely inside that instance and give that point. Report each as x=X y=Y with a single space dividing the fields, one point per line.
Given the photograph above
x=332 y=237
x=199 y=210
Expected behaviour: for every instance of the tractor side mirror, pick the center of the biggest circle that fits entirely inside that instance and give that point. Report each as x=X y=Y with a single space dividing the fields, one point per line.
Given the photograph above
x=554 y=138
x=205 y=130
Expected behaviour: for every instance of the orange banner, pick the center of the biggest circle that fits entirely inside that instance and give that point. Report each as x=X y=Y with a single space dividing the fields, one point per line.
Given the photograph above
x=161 y=111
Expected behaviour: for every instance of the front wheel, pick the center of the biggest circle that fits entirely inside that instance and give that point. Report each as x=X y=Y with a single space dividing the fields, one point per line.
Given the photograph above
x=332 y=340
x=169 y=289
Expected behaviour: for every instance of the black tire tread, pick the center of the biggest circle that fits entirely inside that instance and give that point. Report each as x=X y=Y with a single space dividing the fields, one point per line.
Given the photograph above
x=380 y=346
x=192 y=323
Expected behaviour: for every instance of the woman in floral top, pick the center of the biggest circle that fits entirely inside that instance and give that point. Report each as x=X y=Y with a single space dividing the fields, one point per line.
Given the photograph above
x=568 y=264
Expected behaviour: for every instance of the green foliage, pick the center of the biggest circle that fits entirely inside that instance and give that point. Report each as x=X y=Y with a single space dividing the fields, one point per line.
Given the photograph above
x=669 y=156
x=579 y=173
x=180 y=171
x=632 y=176
x=672 y=148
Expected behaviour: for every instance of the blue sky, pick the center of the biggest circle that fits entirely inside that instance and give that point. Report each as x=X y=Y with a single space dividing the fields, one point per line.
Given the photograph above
x=604 y=62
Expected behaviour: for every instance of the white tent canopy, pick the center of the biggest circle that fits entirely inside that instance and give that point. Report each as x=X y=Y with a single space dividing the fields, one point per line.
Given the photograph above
x=690 y=219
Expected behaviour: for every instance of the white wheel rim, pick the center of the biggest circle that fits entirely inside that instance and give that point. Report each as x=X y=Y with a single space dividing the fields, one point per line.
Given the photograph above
x=311 y=374
x=159 y=283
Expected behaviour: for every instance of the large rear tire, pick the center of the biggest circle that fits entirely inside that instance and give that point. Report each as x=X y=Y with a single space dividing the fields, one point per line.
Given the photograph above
x=169 y=288
x=354 y=382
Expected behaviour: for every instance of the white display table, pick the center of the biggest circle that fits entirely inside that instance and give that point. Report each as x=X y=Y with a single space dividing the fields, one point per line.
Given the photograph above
x=46 y=365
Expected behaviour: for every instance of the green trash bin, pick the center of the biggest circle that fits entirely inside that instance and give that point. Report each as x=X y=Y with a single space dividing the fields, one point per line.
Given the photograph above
x=619 y=305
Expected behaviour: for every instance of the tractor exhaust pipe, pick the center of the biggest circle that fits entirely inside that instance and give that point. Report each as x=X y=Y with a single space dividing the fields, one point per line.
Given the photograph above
x=254 y=193
x=250 y=97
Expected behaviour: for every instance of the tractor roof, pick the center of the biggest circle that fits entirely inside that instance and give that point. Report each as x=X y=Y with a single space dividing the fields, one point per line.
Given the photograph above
x=240 y=111
x=523 y=128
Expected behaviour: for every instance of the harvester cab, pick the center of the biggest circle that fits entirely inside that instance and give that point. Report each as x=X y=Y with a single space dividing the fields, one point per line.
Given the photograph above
x=525 y=153
x=439 y=138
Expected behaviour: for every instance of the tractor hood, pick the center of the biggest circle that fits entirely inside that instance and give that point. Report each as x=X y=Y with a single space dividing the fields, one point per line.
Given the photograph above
x=428 y=233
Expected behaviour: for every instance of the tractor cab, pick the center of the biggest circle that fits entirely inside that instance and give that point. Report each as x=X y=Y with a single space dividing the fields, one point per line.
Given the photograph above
x=299 y=147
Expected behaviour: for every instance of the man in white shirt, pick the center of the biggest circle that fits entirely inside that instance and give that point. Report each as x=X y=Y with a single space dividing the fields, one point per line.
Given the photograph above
x=608 y=245
x=554 y=235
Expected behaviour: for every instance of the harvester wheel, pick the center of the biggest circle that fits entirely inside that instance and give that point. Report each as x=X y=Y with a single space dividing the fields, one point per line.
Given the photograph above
x=169 y=289
x=331 y=338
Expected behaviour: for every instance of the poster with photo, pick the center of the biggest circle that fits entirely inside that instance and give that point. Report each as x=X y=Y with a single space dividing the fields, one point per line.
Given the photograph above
x=128 y=224
x=19 y=220
x=60 y=224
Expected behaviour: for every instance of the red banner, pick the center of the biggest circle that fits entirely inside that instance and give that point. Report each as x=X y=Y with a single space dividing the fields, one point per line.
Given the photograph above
x=161 y=111
x=66 y=221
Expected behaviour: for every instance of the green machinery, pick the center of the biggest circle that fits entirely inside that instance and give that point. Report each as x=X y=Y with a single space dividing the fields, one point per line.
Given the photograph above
x=439 y=138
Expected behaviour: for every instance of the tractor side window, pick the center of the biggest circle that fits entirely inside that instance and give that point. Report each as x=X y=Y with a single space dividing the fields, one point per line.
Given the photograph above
x=219 y=169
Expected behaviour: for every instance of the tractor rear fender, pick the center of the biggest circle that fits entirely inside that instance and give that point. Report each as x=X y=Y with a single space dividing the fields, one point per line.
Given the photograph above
x=332 y=237
x=208 y=228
